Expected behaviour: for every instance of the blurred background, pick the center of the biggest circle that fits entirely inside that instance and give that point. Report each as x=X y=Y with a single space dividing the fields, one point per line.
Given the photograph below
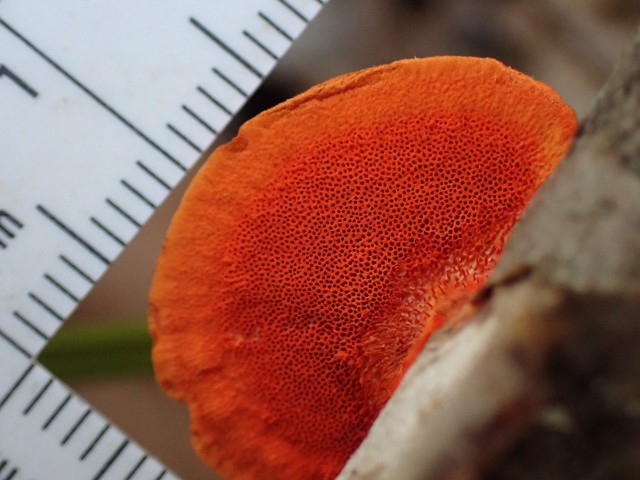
x=103 y=351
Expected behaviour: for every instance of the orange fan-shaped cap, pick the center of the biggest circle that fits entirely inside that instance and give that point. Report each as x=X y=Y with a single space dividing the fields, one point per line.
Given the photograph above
x=315 y=253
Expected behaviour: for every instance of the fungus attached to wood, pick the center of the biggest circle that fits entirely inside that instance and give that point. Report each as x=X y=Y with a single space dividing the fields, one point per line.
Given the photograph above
x=316 y=252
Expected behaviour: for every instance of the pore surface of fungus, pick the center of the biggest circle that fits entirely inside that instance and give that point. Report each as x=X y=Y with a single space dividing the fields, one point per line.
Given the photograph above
x=316 y=252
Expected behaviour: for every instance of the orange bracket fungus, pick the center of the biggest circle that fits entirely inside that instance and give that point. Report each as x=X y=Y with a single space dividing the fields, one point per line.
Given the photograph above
x=315 y=253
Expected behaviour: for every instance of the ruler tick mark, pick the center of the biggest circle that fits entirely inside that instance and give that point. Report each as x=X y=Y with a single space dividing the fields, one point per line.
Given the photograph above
x=153 y=175
x=95 y=441
x=162 y=474
x=7 y=230
x=214 y=100
x=275 y=26
x=37 y=398
x=184 y=138
x=57 y=222
x=45 y=306
x=136 y=468
x=198 y=119
x=107 y=231
x=260 y=45
x=75 y=427
x=123 y=213
x=226 y=48
x=61 y=287
x=93 y=96
x=137 y=193
x=230 y=82
x=294 y=10
x=15 y=386
x=56 y=412
x=76 y=269
x=111 y=460
x=17 y=315
x=12 y=474
x=17 y=80
x=15 y=345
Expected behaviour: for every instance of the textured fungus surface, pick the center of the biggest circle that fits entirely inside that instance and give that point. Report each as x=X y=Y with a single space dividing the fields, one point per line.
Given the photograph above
x=316 y=252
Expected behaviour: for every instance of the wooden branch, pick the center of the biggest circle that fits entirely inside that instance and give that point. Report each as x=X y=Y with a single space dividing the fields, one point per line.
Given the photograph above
x=544 y=382
x=581 y=239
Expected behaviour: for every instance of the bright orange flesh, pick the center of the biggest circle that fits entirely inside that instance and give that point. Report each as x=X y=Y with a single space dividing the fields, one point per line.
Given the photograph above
x=316 y=252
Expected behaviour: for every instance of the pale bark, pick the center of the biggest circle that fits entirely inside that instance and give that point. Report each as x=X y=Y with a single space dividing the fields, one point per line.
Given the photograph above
x=544 y=383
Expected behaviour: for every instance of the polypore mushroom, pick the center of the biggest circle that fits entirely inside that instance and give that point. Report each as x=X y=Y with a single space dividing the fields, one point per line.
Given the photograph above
x=315 y=253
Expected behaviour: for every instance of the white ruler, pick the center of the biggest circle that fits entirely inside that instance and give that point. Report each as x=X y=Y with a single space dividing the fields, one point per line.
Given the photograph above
x=104 y=105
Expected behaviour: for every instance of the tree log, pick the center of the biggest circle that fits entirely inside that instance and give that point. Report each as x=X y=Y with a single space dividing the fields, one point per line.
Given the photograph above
x=544 y=381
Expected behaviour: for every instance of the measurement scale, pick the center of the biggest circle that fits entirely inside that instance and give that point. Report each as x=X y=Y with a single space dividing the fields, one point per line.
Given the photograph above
x=103 y=108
